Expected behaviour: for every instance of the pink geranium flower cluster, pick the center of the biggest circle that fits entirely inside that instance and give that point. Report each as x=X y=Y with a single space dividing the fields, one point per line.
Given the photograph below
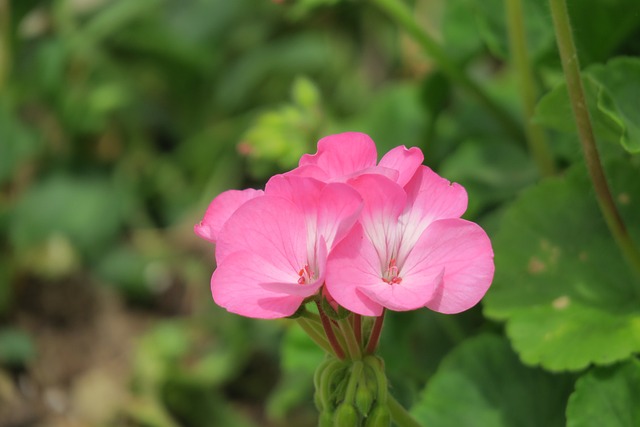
x=374 y=235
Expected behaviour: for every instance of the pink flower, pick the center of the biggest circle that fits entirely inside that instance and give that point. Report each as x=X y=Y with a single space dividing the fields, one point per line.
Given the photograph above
x=272 y=250
x=410 y=249
x=347 y=155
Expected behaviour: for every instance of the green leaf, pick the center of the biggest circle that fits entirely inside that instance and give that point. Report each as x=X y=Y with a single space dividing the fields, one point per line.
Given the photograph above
x=613 y=98
x=492 y=26
x=482 y=383
x=561 y=284
x=620 y=100
x=607 y=397
x=600 y=26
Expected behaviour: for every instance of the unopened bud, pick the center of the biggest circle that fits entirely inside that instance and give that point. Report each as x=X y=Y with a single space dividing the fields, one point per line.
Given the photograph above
x=378 y=417
x=364 y=397
x=346 y=416
x=326 y=419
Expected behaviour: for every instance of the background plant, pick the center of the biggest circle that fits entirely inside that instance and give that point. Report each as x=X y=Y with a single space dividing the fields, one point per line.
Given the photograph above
x=120 y=120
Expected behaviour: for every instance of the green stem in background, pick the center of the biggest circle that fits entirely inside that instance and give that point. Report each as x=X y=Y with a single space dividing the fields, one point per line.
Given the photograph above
x=401 y=14
x=571 y=67
x=331 y=336
x=375 y=334
x=353 y=346
x=315 y=334
x=400 y=415
x=5 y=43
x=536 y=137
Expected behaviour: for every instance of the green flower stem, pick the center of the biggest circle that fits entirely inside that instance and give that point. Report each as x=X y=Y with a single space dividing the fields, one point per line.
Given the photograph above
x=353 y=346
x=536 y=137
x=357 y=327
x=400 y=415
x=571 y=67
x=401 y=14
x=374 y=338
x=356 y=373
x=331 y=336
x=315 y=334
x=5 y=43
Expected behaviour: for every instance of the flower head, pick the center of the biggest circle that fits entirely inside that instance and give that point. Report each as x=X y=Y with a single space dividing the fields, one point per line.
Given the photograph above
x=410 y=249
x=272 y=251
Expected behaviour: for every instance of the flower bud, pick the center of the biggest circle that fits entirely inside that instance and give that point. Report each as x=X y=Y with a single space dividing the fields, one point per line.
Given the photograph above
x=378 y=417
x=365 y=397
x=346 y=416
x=331 y=379
x=326 y=419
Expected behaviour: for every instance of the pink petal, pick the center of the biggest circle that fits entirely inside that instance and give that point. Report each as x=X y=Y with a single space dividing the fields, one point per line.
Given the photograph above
x=354 y=263
x=236 y=286
x=330 y=209
x=463 y=251
x=343 y=154
x=303 y=290
x=405 y=161
x=272 y=227
x=301 y=191
x=339 y=207
x=412 y=293
x=429 y=198
x=220 y=210
x=310 y=171
x=384 y=200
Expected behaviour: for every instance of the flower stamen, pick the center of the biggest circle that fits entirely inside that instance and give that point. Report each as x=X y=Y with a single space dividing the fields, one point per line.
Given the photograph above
x=305 y=275
x=391 y=276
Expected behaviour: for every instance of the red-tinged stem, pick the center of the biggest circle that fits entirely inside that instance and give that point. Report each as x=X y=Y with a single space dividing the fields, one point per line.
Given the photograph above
x=331 y=336
x=374 y=338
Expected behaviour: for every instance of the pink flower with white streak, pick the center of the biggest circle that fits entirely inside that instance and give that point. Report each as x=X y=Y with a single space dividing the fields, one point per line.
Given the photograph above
x=410 y=249
x=272 y=250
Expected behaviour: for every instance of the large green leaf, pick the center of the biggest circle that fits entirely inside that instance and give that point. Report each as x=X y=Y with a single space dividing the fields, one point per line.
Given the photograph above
x=482 y=383
x=613 y=97
x=607 y=397
x=561 y=283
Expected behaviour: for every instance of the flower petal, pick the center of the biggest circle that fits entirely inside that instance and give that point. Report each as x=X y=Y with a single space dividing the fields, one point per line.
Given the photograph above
x=384 y=200
x=410 y=294
x=330 y=210
x=236 y=286
x=405 y=160
x=308 y=289
x=272 y=227
x=429 y=198
x=463 y=251
x=220 y=210
x=354 y=263
x=343 y=154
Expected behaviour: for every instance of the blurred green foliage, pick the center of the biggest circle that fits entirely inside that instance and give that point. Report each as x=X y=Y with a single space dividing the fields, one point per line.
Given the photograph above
x=120 y=120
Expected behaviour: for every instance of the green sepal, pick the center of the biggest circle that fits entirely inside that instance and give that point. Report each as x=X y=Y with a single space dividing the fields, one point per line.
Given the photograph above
x=341 y=313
